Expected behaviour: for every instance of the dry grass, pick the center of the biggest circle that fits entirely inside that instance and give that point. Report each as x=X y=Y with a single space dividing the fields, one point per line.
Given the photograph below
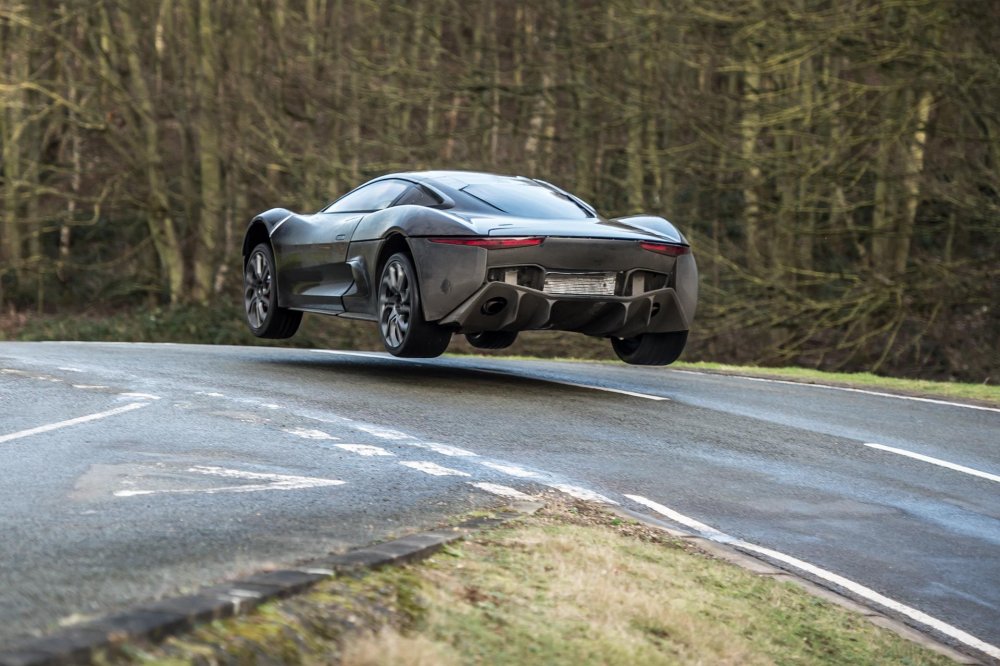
x=388 y=646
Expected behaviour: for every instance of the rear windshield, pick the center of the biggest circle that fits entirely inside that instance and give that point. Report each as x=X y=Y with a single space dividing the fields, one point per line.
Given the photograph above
x=526 y=199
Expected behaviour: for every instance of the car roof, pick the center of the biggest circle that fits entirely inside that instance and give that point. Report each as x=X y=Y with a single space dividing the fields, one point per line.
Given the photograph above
x=455 y=179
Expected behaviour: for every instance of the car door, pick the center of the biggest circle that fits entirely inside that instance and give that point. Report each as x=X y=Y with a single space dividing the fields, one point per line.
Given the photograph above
x=314 y=256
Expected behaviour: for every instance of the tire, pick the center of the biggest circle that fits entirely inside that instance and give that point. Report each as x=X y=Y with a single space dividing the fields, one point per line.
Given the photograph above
x=651 y=348
x=492 y=339
x=260 y=298
x=401 y=321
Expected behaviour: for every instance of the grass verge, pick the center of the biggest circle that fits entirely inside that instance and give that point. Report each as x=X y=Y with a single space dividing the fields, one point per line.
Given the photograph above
x=569 y=585
x=982 y=393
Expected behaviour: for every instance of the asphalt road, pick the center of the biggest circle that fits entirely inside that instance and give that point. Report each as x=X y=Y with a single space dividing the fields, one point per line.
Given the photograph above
x=133 y=471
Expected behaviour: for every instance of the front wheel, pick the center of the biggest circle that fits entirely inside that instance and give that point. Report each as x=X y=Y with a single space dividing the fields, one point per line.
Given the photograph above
x=651 y=348
x=260 y=298
x=401 y=321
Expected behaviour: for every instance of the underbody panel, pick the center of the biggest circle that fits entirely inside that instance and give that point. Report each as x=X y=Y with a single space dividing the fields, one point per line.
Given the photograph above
x=504 y=307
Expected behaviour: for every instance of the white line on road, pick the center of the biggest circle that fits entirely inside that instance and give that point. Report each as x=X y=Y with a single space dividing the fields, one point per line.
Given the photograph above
x=273 y=482
x=309 y=433
x=445 y=449
x=432 y=468
x=606 y=389
x=935 y=461
x=72 y=422
x=581 y=493
x=382 y=433
x=881 y=394
x=364 y=449
x=140 y=396
x=502 y=491
x=856 y=588
x=502 y=373
x=512 y=470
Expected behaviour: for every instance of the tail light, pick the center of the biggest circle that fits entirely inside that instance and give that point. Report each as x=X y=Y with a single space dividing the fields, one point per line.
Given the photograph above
x=490 y=243
x=666 y=248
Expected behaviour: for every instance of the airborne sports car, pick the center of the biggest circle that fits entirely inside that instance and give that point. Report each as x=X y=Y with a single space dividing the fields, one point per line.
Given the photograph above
x=428 y=254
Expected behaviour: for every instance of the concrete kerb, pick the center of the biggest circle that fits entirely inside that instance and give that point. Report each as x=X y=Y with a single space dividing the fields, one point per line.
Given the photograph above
x=761 y=567
x=157 y=620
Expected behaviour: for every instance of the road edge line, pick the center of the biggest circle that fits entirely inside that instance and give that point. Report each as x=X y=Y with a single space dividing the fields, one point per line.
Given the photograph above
x=158 y=620
x=759 y=566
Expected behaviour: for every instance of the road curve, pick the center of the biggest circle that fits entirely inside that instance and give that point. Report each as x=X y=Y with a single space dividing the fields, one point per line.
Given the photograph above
x=133 y=471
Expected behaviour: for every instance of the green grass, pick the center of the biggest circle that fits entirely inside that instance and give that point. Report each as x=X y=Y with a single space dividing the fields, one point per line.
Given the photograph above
x=572 y=585
x=984 y=393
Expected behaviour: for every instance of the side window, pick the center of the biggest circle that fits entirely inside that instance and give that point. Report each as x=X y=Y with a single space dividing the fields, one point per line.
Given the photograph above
x=369 y=197
x=417 y=196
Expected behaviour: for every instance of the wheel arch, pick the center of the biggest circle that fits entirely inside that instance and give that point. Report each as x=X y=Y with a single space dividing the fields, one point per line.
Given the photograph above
x=256 y=234
x=395 y=241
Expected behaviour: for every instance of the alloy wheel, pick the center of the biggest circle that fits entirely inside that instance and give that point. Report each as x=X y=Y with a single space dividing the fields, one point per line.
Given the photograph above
x=395 y=302
x=257 y=289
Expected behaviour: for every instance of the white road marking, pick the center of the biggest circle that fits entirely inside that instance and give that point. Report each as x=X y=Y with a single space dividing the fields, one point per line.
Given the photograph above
x=338 y=352
x=12 y=371
x=141 y=396
x=502 y=491
x=581 y=493
x=606 y=389
x=89 y=387
x=69 y=369
x=705 y=530
x=512 y=470
x=71 y=422
x=211 y=394
x=445 y=449
x=856 y=588
x=881 y=394
x=432 y=468
x=274 y=482
x=384 y=433
x=308 y=433
x=935 y=461
x=503 y=373
x=364 y=449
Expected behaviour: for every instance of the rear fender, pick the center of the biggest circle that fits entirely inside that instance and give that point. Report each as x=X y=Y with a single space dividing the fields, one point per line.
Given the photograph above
x=651 y=223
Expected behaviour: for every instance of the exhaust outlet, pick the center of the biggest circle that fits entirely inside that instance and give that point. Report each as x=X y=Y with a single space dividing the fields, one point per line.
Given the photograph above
x=494 y=306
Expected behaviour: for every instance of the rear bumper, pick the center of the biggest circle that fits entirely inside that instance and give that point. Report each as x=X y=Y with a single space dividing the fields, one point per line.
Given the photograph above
x=524 y=309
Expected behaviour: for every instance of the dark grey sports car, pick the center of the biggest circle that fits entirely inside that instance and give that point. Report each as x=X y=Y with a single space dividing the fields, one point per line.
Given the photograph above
x=428 y=254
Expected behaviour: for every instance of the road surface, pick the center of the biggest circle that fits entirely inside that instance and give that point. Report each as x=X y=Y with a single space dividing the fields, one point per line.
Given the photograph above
x=135 y=471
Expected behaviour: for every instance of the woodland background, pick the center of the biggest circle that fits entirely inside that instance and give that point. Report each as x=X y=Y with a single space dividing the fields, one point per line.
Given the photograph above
x=834 y=163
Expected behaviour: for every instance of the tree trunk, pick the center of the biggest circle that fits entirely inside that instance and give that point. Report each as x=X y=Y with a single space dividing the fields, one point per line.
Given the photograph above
x=207 y=260
x=912 y=171
x=162 y=227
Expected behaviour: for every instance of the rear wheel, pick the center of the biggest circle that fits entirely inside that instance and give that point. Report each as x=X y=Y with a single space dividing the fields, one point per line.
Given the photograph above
x=260 y=298
x=651 y=348
x=492 y=339
x=401 y=321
